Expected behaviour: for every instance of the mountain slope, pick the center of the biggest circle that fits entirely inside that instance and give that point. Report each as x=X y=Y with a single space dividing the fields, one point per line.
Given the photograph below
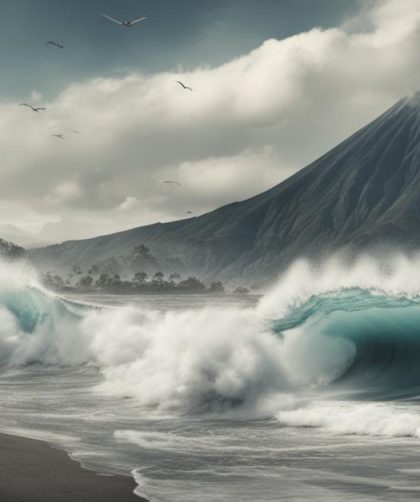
x=363 y=192
x=9 y=250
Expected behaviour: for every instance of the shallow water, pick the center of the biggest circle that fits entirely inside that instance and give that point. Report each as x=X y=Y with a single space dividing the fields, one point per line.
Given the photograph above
x=207 y=458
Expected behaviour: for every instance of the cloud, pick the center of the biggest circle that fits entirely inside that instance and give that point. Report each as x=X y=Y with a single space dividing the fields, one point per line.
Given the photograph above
x=248 y=124
x=129 y=203
x=65 y=192
x=214 y=180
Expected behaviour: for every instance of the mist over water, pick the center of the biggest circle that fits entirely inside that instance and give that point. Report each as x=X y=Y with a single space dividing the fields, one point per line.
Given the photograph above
x=218 y=397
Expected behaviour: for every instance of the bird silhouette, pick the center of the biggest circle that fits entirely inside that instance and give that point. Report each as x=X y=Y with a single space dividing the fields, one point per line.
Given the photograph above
x=184 y=86
x=172 y=182
x=33 y=108
x=127 y=24
x=190 y=212
x=55 y=44
x=59 y=136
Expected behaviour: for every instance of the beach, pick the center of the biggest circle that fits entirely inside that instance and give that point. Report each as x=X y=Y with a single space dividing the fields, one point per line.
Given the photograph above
x=33 y=471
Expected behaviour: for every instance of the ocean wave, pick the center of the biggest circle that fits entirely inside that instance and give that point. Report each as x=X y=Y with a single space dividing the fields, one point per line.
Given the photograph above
x=355 y=418
x=353 y=331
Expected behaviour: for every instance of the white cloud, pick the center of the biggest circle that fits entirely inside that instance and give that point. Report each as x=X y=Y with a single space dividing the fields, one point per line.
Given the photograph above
x=67 y=191
x=36 y=96
x=129 y=203
x=248 y=124
x=214 y=180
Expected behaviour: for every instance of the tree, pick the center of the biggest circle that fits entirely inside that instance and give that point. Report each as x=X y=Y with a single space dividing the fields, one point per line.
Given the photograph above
x=158 y=277
x=10 y=251
x=53 y=281
x=192 y=284
x=58 y=281
x=115 y=280
x=141 y=251
x=104 y=281
x=76 y=270
x=94 y=270
x=217 y=287
x=141 y=258
x=85 y=282
x=241 y=291
x=174 y=276
x=140 y=278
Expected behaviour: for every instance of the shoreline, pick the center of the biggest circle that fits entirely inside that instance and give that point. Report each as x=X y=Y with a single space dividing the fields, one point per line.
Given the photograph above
x=35 y=471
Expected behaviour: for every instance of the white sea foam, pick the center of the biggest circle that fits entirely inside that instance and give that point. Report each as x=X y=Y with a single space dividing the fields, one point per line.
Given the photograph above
x=214 y=359
x=376 y=419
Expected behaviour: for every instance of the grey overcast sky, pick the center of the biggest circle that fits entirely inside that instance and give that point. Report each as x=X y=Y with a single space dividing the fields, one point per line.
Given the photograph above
x=276 y=83
x=178 y=34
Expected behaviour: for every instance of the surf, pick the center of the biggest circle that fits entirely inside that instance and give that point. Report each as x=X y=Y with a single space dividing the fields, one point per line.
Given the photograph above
x=347 y=331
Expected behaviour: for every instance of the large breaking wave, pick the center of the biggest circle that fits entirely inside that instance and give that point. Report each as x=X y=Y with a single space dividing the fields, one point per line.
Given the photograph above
x=352 y=332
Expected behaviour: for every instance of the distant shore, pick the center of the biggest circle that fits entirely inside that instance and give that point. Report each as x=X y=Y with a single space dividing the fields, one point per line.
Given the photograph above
x=33 y=471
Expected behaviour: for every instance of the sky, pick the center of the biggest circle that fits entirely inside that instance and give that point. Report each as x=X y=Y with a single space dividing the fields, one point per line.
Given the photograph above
x=276 y=83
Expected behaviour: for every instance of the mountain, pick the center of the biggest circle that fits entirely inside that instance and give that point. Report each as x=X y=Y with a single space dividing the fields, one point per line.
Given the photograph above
x=9 y=250
x=365 y=192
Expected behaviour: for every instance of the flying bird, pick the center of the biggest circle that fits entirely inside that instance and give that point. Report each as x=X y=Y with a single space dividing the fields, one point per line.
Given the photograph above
x=127 y=24
x=55 y=44
x=185 y=87
x=33 y=108
x=172 y=182
x=75 y=131
x=59 y=136
x=190 y=212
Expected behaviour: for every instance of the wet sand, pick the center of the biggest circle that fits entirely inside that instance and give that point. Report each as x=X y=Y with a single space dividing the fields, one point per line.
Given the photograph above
x=32 y=471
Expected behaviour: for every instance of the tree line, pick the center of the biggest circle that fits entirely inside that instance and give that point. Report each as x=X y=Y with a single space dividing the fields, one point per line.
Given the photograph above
x=141 y=282
x=136 y=272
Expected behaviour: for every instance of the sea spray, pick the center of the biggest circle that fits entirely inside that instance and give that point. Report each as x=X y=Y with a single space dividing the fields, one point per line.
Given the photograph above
x=311 y=333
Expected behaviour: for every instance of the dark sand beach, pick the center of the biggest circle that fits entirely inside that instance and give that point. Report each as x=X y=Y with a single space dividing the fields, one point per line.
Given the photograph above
x=32 y=471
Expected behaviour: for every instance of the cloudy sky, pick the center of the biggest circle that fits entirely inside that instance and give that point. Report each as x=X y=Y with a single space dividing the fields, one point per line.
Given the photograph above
x=276 y=84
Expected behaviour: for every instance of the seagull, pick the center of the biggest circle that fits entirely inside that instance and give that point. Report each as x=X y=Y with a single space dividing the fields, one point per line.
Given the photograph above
x=127 y=24
x=172 y=182
x=55 y=44
x=33 y=108
x=184 y=86
x=59 y=136
x=190 y=212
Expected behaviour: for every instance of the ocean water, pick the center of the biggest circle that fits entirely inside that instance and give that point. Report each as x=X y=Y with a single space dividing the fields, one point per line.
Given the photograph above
x=309 y=392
